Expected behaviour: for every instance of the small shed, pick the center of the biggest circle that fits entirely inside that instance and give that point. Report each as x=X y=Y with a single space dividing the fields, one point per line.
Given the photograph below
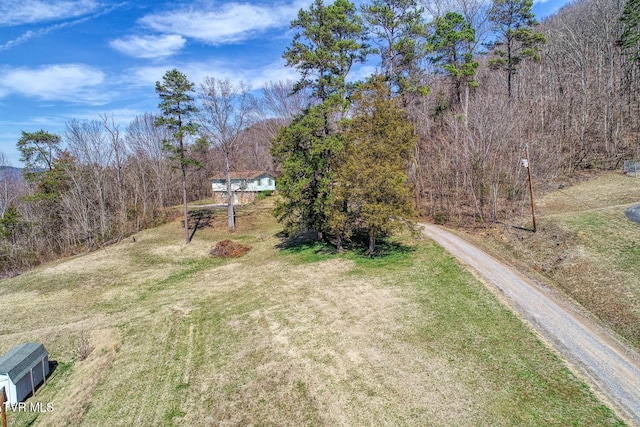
x=22 y=369
x=632 y=168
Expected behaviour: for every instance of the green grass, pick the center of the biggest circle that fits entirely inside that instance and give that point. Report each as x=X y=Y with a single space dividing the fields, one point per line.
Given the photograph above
x=293 y=336
x=587 y=248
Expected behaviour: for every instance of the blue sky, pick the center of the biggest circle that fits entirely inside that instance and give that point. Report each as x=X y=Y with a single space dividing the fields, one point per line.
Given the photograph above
x=66 y=59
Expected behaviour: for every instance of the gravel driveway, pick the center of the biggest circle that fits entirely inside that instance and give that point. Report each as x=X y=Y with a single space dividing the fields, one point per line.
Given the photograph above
x=612 y=368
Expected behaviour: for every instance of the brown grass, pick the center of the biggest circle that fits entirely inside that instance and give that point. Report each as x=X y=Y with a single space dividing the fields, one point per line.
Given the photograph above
x=271 y=338
x=585 y=247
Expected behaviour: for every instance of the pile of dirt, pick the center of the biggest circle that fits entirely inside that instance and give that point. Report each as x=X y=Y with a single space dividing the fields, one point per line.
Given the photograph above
x=229 y=249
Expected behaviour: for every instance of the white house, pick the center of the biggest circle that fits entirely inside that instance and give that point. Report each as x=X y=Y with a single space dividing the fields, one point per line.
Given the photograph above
x=245 y=185
x=22 y=369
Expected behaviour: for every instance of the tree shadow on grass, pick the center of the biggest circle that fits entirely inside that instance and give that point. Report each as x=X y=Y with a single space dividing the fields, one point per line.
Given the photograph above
x=199 y=218
x=305 y=242
x=307 y=246
x=387 y=248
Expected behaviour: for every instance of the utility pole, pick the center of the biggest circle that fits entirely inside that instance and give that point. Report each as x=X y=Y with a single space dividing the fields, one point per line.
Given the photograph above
x=526 y=163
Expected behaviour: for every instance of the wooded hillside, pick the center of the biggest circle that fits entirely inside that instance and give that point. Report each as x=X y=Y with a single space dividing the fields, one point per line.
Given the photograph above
x=477 y=81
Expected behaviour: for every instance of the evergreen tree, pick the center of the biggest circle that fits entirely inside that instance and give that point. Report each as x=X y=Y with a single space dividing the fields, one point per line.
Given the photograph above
x=371 y=188
x=38 y=151
x=44 y=164
x=308 y=156
x=452 y=41
x=513 y=21
x=46 y=169
x=630 y=37
x=10 y=223
x=177 y=107
x=399 y=30
x=329 y=40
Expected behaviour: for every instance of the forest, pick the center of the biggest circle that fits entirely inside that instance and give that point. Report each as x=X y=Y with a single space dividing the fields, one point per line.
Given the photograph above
x=475 y=82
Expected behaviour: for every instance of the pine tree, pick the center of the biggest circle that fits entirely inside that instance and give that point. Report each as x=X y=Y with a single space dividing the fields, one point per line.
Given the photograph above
x=308 y=156
x=399 y=30
x=177 y=107
x=10 y=223
x=452 y=42
x=38 y=151
x=329 y=40
x=46 y=170
x=513 y=22
x=630 y=37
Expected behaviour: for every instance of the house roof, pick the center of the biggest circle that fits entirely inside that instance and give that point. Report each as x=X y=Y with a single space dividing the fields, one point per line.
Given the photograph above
x=242 y=174
x=20 y=359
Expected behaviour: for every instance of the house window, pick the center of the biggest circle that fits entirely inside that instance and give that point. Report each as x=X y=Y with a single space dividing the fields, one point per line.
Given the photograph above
x=243 y=184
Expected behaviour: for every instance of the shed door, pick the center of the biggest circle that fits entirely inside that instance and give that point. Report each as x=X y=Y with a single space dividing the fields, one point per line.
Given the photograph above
x=4 y=382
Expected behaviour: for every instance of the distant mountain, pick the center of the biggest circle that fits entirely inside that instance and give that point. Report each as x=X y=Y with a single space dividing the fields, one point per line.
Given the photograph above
x=10 y=171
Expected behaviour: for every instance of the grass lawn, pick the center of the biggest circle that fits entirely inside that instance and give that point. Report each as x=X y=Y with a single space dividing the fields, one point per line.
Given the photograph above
x=587 y=247
x=283 y=337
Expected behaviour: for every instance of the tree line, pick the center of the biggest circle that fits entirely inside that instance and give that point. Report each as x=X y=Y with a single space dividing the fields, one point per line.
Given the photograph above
x=459 y=89
x=97 y=182
x=477 y=83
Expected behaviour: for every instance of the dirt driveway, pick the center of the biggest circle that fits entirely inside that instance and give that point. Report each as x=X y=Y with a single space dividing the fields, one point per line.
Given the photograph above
x=612 y=368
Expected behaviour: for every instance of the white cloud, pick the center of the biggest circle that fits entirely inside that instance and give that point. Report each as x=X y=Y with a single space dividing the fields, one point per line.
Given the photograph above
x=58 y=13
x=66 y=82
x=18 y=12
x=232 y=22
x=149 y=46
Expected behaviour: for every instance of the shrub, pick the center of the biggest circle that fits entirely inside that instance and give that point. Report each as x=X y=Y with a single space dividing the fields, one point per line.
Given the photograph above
x=439 y=218
x=264 y=194
x=82 y=346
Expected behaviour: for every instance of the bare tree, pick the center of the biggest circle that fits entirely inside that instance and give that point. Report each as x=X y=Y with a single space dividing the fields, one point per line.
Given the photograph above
x=87 y=143
x=151 y=177
x=280 y=104
x=227 y=109
x=116 y=141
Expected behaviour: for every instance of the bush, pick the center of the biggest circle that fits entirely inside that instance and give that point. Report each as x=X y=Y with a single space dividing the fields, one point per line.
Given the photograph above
x=264 y=194
x=229 y=249
x=83 y=347
x=439 y=218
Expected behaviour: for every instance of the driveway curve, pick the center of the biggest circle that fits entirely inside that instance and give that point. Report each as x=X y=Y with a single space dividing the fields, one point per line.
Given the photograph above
x=612 y=368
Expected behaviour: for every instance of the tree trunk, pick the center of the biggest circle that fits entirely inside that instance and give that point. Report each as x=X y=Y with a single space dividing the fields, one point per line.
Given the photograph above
x=184 y=204
x=339 y=242
x=230 y=211
x=372 y=244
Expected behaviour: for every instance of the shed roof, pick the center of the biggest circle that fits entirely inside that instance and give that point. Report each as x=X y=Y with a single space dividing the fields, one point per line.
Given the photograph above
x=21 y=358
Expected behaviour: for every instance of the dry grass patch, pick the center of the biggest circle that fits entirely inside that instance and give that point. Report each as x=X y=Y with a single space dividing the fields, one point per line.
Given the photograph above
x=289 y=338
x=587 y=247
x=600 y=192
